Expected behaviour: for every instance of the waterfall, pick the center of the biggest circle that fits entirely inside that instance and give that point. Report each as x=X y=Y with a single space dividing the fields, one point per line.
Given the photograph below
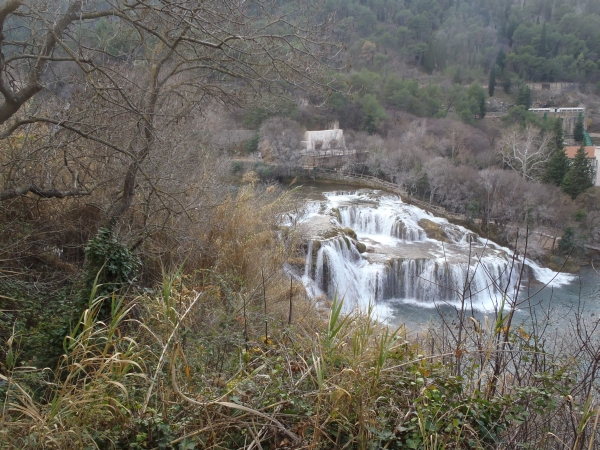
x=381 y=221
x=412 y=256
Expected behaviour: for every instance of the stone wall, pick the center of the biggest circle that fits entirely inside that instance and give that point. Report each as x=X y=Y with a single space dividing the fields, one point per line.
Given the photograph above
x=554 y=88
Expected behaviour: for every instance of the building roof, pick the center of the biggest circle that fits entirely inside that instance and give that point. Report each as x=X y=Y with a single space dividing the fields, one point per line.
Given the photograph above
x=572 y=149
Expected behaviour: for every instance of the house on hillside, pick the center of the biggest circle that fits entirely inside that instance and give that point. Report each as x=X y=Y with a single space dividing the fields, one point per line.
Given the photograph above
x=593 y=153
x=324 y=148
x=324 y=142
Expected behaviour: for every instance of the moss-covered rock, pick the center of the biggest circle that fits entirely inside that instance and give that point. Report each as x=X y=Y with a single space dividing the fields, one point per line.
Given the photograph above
x=434 y=230
x=349 y=232
x=557 y=263
x=361 y=247
x=337 y=214
x=316 y=246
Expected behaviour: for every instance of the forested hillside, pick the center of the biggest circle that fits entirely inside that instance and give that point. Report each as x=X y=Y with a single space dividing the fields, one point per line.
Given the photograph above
x=411 y=55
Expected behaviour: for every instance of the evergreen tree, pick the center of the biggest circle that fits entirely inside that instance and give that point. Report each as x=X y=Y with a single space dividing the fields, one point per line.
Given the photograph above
x=543 y=44
x=429 y=57
x=578 y=130
x=476 y=94
x=501 y=59
x=506 y=83
x=558 y=165
x=492 y=82
x=580 y=174
x=524 y=96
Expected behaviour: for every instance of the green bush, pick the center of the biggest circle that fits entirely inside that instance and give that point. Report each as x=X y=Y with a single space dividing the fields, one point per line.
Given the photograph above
x=109 y=263
x=252 y=144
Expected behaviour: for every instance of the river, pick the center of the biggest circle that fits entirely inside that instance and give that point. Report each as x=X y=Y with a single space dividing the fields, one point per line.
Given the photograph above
x=416 y=266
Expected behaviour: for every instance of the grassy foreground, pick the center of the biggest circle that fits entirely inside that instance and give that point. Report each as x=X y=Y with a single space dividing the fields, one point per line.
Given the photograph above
x=225 y=353
x=179 y=368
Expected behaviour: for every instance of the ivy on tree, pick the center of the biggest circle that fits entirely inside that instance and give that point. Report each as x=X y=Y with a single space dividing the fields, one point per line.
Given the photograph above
x=580 y=175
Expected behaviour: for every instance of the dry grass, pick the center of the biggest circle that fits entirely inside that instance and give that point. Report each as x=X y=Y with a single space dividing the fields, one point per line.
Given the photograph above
x=211 y=359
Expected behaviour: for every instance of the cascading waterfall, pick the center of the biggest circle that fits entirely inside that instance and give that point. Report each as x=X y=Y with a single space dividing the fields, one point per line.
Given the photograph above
x=371 y=221
x=411 y=256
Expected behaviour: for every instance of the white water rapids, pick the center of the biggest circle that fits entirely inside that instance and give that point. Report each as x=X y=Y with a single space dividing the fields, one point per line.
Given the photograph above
x=411 y=257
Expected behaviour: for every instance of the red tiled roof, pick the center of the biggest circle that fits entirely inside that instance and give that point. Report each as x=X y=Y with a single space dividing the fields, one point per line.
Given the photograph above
x=572 y=149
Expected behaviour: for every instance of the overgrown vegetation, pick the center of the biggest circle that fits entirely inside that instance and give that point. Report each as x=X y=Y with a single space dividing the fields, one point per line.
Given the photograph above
x=189 y=365
x=143 y=301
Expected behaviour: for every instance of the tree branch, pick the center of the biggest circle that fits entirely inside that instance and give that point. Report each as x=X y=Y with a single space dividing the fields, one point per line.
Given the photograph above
x=44 y=193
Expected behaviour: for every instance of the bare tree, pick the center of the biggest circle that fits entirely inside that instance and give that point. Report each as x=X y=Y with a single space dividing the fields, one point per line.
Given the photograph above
x=525 y=150
x=280 y=139
x=437 y=171
x=114 y=98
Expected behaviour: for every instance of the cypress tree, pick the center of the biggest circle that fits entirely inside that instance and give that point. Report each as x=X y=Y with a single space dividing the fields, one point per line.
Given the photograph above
x=501 y=59
x=578 y=130
x=558 y=165
x=429 y=57
x=492 y=82
x=580 y=174
x=543 y=44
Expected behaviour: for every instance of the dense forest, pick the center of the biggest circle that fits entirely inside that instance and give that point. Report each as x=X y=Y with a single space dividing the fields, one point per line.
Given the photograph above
x=412 y=55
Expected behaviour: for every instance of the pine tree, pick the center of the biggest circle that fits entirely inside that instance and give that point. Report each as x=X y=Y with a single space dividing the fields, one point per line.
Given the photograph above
x=492 y=82
x=543 y=45
x=558 y=165
x=524 y=96
x=578 y=130
x=580 y=174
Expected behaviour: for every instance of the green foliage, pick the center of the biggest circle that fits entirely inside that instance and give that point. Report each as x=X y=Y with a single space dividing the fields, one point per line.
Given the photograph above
x=519 y=115
x=567 y=241
x=252 y=144
x=429 y=57
x=543 y=42
x=578 y=134
x=109 y=263
x=580 y=215
x=501 y=59
x=264 y=171
x=116 y=39
x=506 y=83
x=580 y=175
x=39 y=326
x=254 y=117
x=476 y=94
x=492 y=81
x=407 y=96
x=236 y=167
x=374 y=113
x=558 y=165
x=524 y=96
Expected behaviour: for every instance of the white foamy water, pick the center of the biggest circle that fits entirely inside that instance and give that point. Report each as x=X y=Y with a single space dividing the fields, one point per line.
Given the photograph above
x=402 y=264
